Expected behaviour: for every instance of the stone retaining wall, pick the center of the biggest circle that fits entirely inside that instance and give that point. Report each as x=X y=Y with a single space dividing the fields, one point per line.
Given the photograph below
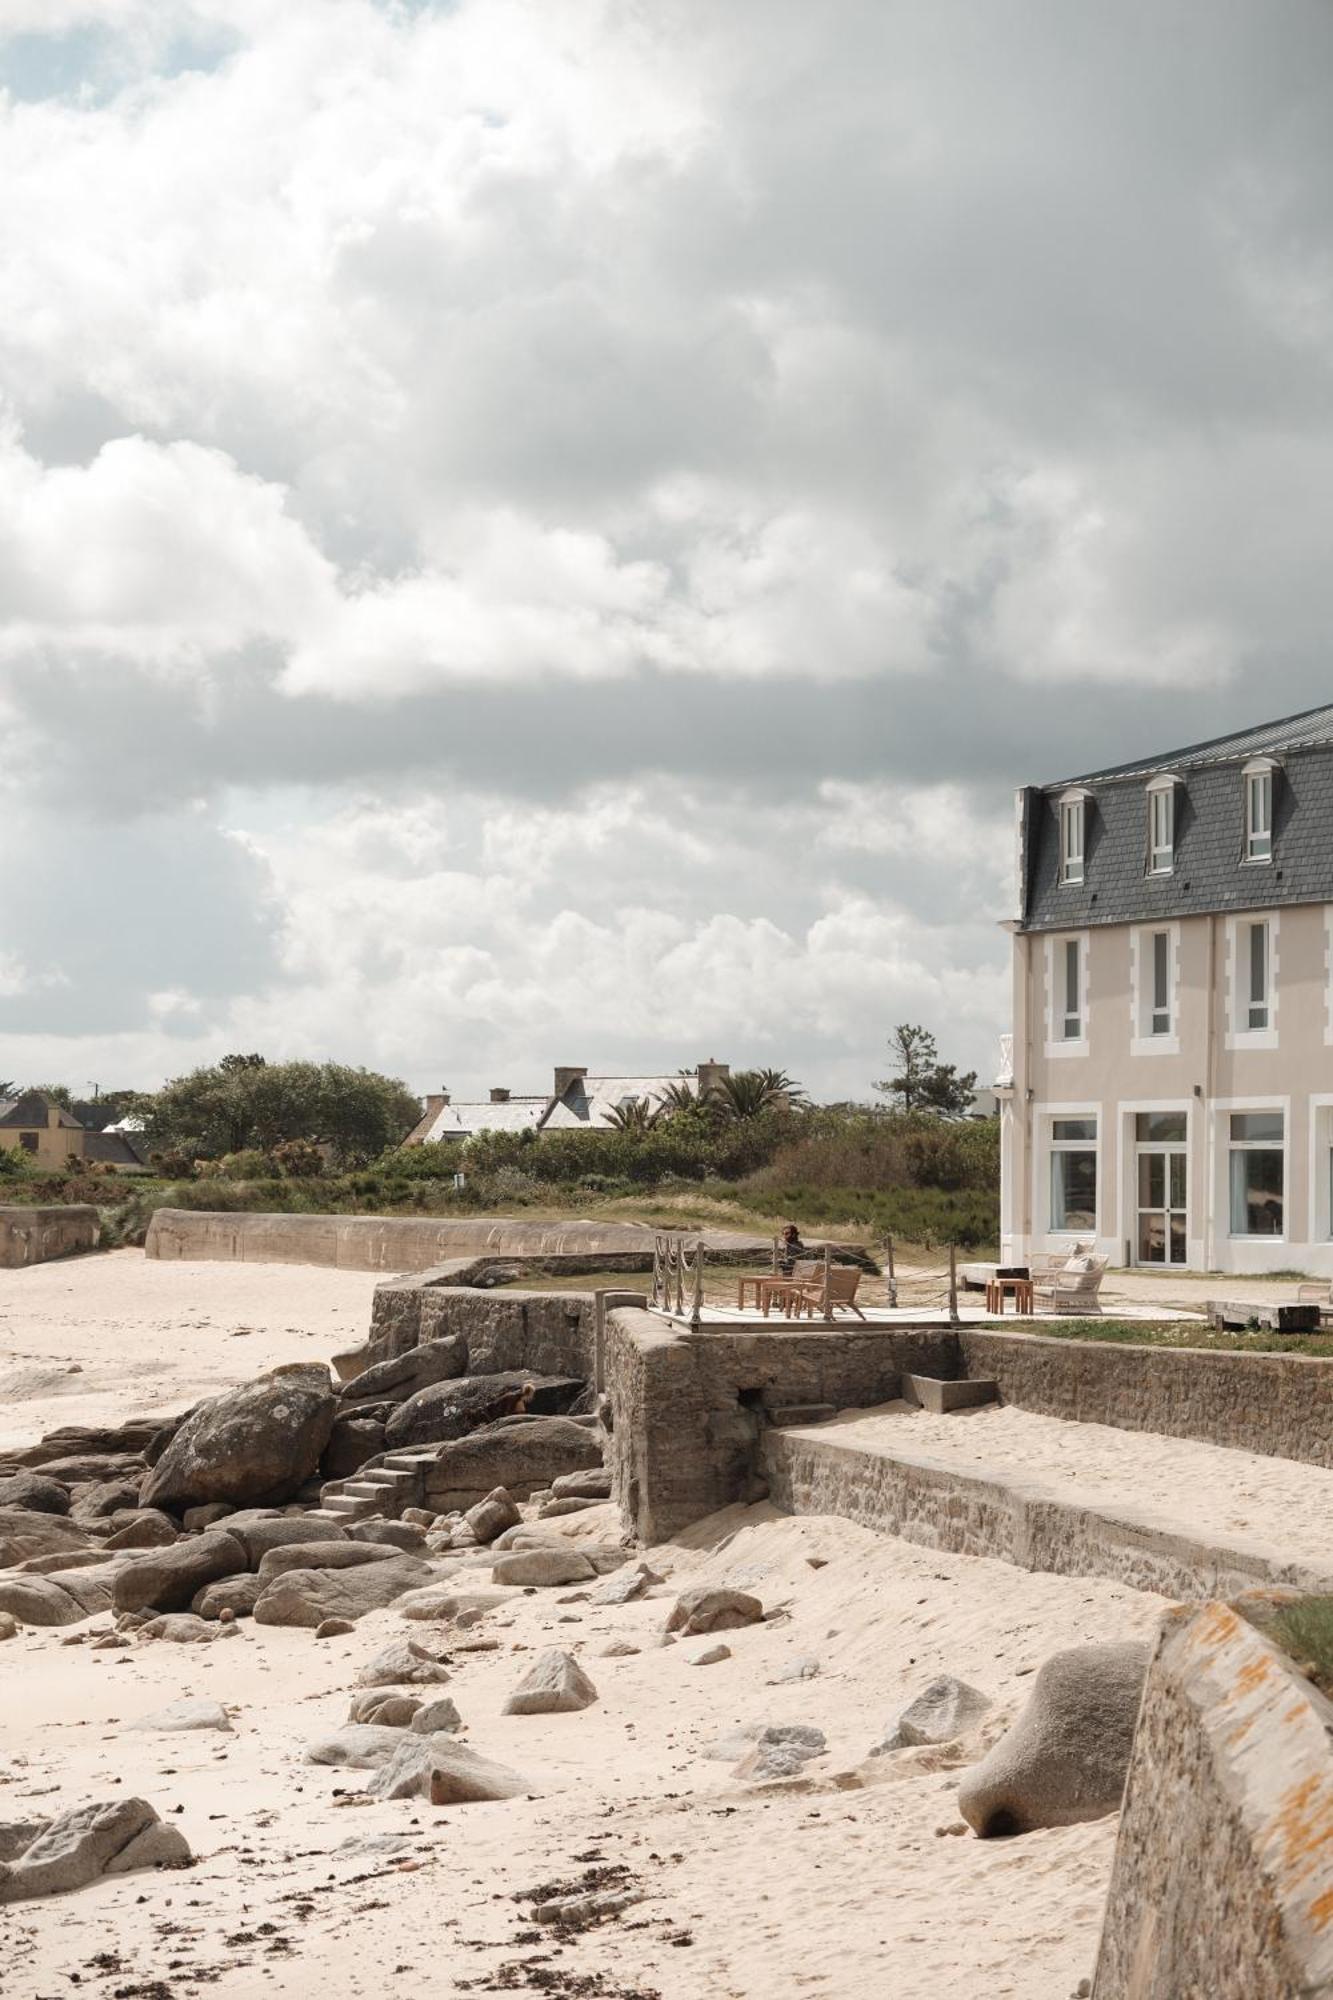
x=553 y=1333
x=1222 y=1883
x=32 y=1235
x=1278 y=1404
x=908 y=1493
x=688 y=1409
x=414 y=1243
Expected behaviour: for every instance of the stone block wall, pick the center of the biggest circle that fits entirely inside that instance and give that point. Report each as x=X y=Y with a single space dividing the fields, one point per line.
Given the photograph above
x=32 y=1235
x=688 y=1409
x=553 y=1333
x=1278 y=1404
x=1222 y=1884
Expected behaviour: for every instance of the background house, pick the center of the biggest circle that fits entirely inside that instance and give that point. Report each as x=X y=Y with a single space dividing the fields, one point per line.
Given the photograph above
x=35 y=1125
x=576 y=1102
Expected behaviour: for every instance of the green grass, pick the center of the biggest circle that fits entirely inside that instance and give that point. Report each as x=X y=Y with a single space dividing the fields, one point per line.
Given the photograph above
x=1184 y=1333
x=1304 y=1631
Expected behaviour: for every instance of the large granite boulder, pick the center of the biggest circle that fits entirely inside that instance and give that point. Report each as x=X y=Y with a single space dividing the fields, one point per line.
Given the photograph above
x=167 y=1579
x=1067 y=1756
x=351 y=1442
x=113 y=1837
x=250 y=1446
x=324 y=1556
x=522 y=1455
x=40 y=1600
x=308 y=1596
x=453 y=1409
x=34 y=1493
x=24 y=1533
x=402 y=1375
x=80 y=1440
x=555 y=1684
x=257 y=1533
x=446 y=1772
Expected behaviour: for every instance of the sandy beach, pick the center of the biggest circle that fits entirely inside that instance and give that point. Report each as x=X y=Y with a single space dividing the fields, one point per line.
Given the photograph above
x=856 y=1879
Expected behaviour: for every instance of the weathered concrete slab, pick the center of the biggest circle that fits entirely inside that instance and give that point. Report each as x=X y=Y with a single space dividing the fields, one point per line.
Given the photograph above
x=977 y=1511
x=930 y=1392
x=34 y=1235
x=1223 y=1875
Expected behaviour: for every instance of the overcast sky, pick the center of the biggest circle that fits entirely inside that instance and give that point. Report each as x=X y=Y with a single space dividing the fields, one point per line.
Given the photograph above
x=541 y=531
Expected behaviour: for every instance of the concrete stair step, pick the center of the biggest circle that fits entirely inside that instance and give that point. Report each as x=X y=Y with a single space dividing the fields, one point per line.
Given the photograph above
x=786 y=1414
x=939 y=1397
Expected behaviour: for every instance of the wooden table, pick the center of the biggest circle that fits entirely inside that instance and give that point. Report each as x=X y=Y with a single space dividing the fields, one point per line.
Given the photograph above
x=764 y=1288
x=1017 y=1289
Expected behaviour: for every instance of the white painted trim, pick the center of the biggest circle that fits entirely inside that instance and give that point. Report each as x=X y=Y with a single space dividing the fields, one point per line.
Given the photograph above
x=1328 y=975
x=1257 y=1101
x=1058 y=1046
x=1320 y=1221
x=1126 y=1110
x=1041 y=1167
x=1252 y=1038
x=1142 y=1043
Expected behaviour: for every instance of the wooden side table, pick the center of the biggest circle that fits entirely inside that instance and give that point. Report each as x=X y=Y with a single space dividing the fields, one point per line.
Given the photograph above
x=1017 y=1289
x=764 y=1288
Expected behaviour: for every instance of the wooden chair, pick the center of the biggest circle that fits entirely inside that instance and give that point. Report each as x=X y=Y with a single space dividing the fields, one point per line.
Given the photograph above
x=806 y=1294
x=1073 y=1288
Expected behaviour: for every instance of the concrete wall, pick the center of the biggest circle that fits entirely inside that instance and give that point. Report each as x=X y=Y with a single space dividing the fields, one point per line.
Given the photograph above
x=1222 y=1884
x=688 y=1409
x=553 y=1333
x=32 y=1235
x=924 y=1500
x=1278 y=1404
x=412 y=1243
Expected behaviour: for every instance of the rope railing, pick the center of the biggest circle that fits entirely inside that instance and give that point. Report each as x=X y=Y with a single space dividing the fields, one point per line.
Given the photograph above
x=678 y=1278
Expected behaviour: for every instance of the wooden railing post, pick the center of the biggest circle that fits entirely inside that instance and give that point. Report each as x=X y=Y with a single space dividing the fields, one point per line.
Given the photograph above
x=828 y=1284
x=893 y=1276
x=953 y=1284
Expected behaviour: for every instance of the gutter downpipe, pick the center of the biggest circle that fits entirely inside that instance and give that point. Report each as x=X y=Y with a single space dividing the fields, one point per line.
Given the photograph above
x=1209 y=1086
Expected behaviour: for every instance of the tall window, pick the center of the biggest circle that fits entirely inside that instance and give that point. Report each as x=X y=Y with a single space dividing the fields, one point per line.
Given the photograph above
x=1074 y=1175
x=1071 y=840
x=1071 y=990
x=1159 y=1010
x=1161 y=830
x=1259 y=815
x=1257 y=1173
x=1256 y=970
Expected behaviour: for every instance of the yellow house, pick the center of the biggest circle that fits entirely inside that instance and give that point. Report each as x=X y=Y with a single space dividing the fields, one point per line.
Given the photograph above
x=35 y=1125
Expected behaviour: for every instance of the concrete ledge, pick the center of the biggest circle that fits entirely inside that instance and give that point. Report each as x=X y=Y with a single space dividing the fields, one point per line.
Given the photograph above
x=905 y=1492
x=1277 y=1404
x=929 y=1392
x=1223 y=1876
x=414 y=1243
x=34 y=1235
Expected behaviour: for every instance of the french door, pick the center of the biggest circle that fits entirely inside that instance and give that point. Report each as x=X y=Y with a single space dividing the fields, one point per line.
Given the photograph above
x=1163 y=1204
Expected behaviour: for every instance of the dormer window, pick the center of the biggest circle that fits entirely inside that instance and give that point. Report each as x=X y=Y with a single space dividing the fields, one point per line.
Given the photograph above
x=1258 y=778
x=1072 y=825
x=1162 y=826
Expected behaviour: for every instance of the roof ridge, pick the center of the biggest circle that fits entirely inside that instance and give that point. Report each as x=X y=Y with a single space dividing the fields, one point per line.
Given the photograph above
x=1163 y=760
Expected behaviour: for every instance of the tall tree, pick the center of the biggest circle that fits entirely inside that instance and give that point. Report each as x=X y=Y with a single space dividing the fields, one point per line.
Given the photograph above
x=245 y=1102
x=921 y=1082
x=748 y=1092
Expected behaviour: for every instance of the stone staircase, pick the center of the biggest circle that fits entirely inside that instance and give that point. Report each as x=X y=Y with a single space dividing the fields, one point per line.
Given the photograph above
x=398 y=1481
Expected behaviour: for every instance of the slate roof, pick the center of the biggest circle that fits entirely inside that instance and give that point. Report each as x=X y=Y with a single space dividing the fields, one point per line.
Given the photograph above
x=460 y=1121
x=590 y=1100
x=1210 y=871
x=31 y=1110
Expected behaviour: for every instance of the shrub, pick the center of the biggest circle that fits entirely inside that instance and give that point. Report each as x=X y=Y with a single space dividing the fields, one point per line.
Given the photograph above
x=299 y=1159
x=250 y=1165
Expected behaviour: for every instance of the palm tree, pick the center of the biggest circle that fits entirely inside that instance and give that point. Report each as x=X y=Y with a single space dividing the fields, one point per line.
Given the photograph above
x=637 y=1115
x=748 y=1092
x=677 y=1097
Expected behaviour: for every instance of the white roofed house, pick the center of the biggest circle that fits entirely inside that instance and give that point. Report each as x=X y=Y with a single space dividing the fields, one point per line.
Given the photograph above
x=500 y=1112
x=583 y=1103
x=577 y=1102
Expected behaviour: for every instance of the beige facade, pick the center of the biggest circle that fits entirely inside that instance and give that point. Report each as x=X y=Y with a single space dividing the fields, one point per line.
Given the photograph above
x=1170 y=1093
x=46 y=1135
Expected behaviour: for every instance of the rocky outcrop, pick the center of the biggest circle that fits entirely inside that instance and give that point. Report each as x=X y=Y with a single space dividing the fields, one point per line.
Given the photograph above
x=167 y=1579
x=400 y=1376
x=453 y=1409
x=1067 y=1756
x=113 y=1837
x=555 y=1684
x=251 y=1446
x=34 y=1492
x=352 y=1441
x=308 y=1596
x=520 y=1454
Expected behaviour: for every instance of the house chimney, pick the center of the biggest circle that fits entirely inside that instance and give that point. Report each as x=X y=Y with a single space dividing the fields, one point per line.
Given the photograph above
x=499 y=1095
x=712 y=1075
x=565 y=1077
x=435 y=1103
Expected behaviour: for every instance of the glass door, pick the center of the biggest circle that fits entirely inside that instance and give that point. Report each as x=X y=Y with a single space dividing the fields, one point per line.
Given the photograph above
x=1162 y=1182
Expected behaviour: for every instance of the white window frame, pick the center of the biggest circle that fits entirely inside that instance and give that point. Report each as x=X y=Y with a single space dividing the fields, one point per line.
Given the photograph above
x=1240 y=1035
x=1142 y=985
x=1162 y=805
x=1258 y=777
x=1319 y=1115
x=1045 y=1116
x=1328 y=975
x=1057 y=1042
x=1240 y=1107
x=1073 y=813
x=1127 y=1203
